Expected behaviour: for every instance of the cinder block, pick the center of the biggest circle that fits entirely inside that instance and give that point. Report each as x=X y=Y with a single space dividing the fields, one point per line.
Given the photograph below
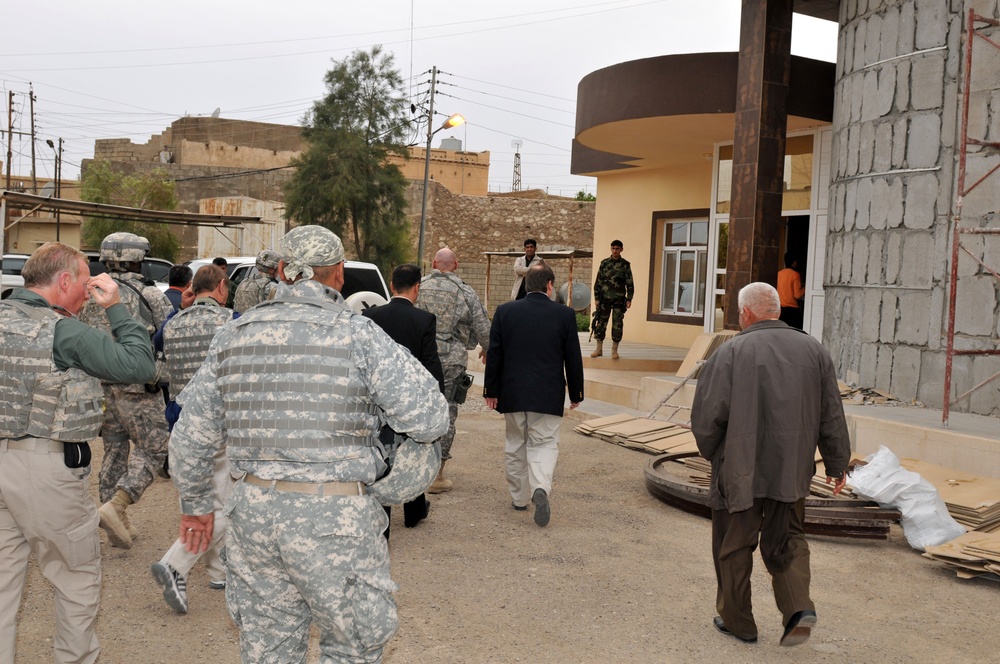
x=835 y=244
x=876 y=259
x=860 y=39
x=907 y=28
x=923 y=141
x=912 y=326
x=869 y=360
x=886 y=89
x=866 y=147
x=931 y=390
x=975 y=303
x=871 y=316
x=863 y=200
x=883 y=368
x=895 y=218
x=870 y=98
x=853 y=142
x=921 y=200
x=984 y=199
x=985 y=400
x=859 y=263
x=873 y=39
x=968 y=266
x=890 y=32
x=899 y=141
x=882 y=156
x=893 y=256
x=979 y=113
x=887 y=317
x=927 y=81
x=931 y=24
x=993 y=134
x=857 y=83
x=846 y=257
x=880 y=203
x=905 y=372
x=918 y=248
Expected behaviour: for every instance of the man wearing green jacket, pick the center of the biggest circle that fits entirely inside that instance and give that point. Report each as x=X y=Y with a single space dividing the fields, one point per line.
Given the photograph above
x=51 y=365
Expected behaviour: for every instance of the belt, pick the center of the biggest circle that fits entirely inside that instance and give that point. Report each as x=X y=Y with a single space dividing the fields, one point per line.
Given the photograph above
x=312 y=488
x=32 y=444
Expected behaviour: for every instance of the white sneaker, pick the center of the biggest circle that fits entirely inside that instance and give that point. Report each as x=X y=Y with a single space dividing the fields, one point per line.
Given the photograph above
x=217 y=585
x=174 y=586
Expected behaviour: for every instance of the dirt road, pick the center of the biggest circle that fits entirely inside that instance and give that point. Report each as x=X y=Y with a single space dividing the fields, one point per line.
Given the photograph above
x=617 y=576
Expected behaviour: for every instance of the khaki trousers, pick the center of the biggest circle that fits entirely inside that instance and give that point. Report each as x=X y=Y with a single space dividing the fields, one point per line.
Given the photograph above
x=779 y=528
x=46 y=509
x=530 y=453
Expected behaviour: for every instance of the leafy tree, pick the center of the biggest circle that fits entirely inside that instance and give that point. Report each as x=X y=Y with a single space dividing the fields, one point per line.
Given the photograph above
x=102 y=184
x=584 y=196
x=344 y=180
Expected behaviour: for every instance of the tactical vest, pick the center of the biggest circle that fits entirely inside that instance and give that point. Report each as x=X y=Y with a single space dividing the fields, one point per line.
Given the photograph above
x=441 y=294
x=289 y=382
x=186 y=339
x=36 y=398
x=130 y=287
x=253 y=291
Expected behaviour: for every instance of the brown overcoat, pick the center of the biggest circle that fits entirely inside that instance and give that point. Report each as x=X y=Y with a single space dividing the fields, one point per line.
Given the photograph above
x=764 y=401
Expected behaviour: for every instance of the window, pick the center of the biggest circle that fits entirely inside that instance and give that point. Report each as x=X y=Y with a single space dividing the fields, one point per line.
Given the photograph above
x=680 y=267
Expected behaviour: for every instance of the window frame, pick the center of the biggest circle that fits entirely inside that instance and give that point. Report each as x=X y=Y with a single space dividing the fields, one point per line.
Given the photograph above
x=653 y=312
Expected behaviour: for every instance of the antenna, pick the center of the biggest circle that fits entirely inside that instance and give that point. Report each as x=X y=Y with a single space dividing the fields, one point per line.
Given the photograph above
x=216 y=112
x=516 y=144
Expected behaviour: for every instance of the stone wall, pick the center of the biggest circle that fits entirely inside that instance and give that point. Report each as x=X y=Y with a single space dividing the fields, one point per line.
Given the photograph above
x=470 y=225
x=896 y=140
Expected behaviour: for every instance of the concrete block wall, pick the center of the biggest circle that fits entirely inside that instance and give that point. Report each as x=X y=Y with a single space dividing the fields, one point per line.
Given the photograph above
x=895 y=146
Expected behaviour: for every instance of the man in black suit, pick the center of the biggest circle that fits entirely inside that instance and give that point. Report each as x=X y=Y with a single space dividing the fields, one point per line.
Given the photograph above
x=415 y=330
x=534 y=353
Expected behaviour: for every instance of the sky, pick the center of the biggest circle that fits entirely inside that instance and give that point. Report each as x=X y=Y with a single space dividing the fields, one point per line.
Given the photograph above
x=127 y=69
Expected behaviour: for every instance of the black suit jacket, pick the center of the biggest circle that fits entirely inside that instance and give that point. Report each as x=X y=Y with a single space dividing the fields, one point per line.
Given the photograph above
x=413 y=329
x=533 y=341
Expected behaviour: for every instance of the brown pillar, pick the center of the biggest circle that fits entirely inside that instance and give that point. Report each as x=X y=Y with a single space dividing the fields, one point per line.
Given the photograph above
x=759 y=147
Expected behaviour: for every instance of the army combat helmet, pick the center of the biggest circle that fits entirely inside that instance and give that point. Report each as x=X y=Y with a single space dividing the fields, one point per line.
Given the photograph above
x=119 y=249
x=267 y=261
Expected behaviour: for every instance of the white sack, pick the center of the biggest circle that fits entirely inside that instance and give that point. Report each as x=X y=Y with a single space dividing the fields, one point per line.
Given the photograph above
x=925 y=520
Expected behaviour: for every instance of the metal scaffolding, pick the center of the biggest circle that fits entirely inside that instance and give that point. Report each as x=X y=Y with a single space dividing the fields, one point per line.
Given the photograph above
x=972 y=32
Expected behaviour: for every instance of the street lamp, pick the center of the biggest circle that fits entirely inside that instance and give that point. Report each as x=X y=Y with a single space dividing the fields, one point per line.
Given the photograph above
x=454 y=121
x=48 y=141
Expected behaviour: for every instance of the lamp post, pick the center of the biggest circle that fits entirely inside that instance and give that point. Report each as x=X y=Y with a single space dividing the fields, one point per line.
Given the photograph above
x=58 y=187
x=454 y=121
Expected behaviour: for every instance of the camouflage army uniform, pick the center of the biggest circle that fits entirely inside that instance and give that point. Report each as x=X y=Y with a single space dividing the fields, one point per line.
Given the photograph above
x=252 y=291
x=132 y=412
x=297 y=390
x=612 y=289
x=462 y=324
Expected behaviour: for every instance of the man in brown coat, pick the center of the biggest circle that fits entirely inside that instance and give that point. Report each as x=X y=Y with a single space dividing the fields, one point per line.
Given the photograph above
x=764 y=401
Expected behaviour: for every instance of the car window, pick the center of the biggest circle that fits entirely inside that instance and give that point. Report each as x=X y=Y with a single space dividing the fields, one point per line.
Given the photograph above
x=13 y=264
x=156 y=270
x=357 y=279
x=239 y=274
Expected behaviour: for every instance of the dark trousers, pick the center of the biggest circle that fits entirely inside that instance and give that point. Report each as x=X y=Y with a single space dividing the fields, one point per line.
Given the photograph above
x=779 y=528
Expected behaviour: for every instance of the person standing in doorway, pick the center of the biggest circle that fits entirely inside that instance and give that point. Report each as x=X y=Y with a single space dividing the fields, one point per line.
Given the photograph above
x=613 y=292
x=791 y=292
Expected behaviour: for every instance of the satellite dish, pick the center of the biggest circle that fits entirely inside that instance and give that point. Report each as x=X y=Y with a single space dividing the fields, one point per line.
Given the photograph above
x=49 y=190
x=216 y=112
x=581 y=295
x=365 y=300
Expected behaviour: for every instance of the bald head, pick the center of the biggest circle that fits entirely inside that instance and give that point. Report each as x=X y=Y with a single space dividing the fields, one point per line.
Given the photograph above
x=445 y=260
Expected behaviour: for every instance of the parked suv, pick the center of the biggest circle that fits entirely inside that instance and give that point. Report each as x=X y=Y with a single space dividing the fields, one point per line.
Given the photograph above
x=358 y=276
x=11 y=279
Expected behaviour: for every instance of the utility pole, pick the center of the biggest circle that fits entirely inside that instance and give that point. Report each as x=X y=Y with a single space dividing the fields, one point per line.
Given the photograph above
x=31 y=105
x=10 y=138
x=427 y=169
x=516 y=186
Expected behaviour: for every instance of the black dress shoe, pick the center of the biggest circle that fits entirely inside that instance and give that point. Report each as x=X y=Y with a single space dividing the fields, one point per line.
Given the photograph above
x=721 y=626
x=413 y=514
x=798 y=628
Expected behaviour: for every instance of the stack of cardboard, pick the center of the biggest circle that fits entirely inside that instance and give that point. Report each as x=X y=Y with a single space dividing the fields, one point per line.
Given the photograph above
x=971 y=555
x=653 y=436
x=702 y=348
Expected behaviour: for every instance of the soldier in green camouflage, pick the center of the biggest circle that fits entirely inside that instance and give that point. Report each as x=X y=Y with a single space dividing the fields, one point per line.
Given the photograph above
x=613 y=291
x=296 y=391
x=462 y=324
x=261 y=285
x=132 y=412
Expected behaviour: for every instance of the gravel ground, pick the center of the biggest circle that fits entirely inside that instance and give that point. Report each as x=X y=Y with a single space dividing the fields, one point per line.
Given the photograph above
x=617 y=576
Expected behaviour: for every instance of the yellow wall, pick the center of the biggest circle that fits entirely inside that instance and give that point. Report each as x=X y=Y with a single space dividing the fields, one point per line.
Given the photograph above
x=461 y=172
x=626 y=202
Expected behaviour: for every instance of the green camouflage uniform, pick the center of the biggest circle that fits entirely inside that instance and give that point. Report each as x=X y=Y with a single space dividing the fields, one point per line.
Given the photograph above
x=297 y=390
x=612 y=289
x=132 y=412
x=462 y=324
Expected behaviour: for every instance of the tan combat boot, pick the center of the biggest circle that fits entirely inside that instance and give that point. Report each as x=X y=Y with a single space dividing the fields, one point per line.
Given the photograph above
x=440 y=485
x=114 y=522
x=599 y=350
x=614 y=350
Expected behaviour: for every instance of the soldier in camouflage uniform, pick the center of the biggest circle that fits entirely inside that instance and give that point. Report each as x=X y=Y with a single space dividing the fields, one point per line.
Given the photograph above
x=260 y=286
x=132 y=411
x=186 y=337
x=296 y=391
x=613 y=291
x=462 y=324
